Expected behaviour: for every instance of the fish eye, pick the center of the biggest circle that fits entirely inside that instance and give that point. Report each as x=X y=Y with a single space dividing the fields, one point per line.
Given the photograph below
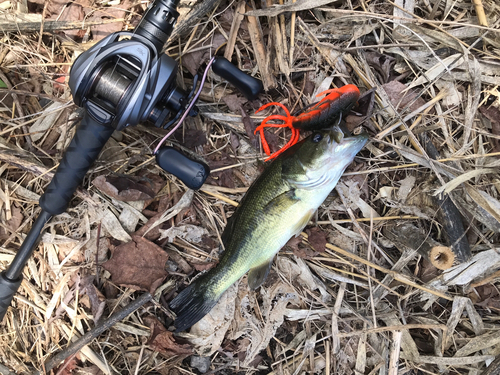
x=317 y=137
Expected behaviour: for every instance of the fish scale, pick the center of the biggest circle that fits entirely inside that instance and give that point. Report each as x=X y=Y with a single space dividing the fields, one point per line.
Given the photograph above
x=277 y=206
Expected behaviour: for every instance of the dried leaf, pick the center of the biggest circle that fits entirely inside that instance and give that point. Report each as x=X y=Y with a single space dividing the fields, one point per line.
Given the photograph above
x=247 y=325
x=234 y=102
x=13 y=223
x=203 y=266
x=290 y=7
x=447 y=64
x=349 y=190
x=382 y=63
x=317 y=239
x=163 y=341
x=139 y=265
x=157 y=220
x=189 y=232
x=67 y=367
x=207 y=335
x=493 y=114
x=453 y=184
x=113 y=226
x=362 y=111
x=299 y=271
x=73 y=12
x=123 y=188
x=114 y=12
x=46 y=120
x=400 y=96
x=97 y=302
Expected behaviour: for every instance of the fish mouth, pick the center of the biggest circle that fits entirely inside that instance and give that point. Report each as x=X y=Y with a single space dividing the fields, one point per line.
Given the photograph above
x=337 y=136
x=341 y=145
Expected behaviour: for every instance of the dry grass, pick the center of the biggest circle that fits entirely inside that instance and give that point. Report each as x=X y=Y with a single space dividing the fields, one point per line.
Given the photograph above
x=369 y=302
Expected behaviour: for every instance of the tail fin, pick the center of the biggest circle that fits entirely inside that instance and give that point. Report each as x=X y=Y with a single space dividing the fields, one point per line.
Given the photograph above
x=192 y=304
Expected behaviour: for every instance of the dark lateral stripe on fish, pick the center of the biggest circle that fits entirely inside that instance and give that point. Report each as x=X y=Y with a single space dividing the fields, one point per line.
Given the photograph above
x=190 y=306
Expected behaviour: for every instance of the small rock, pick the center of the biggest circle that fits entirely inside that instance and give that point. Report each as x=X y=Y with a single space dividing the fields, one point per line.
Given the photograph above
x=202 y=364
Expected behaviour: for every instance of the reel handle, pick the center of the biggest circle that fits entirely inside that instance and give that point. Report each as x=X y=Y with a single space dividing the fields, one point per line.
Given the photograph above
x=89 y=139
x=249 y=86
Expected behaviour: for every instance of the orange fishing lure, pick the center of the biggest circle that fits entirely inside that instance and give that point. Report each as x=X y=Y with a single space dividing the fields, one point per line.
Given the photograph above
x=318 y=116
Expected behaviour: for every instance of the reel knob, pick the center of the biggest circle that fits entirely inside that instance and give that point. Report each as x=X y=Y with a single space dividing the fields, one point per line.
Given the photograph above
x=192 y=172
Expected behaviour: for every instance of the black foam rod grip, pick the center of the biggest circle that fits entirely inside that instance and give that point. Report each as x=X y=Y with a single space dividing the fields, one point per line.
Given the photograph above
x=7 y=290
x=192 y=172
x=247 y=85
x=89 y=139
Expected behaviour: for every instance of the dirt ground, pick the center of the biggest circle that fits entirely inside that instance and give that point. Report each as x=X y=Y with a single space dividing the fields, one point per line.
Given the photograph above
x=397 y=273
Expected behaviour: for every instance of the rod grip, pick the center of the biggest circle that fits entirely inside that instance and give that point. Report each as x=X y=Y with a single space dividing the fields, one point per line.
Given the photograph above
x=90 y=138
x=249 y=86
x=7 y=290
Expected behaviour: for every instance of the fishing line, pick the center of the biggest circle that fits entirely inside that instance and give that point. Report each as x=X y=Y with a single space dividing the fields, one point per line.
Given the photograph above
x=188 y=109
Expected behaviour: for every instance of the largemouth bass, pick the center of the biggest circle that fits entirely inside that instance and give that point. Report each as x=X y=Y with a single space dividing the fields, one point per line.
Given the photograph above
x=277 y=206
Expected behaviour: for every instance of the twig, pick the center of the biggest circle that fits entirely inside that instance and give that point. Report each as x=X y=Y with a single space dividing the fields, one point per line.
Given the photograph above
x=493 y=368
x=481 y=17
x=256 y=37
x=9 y=26
x=450 y=216
x=401 y=278
x=395 y=349
x=96 y=331
x=19 y=108
x=193 y=18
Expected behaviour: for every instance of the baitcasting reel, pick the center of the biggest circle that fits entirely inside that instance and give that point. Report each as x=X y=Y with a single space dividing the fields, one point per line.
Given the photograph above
x=123 y=80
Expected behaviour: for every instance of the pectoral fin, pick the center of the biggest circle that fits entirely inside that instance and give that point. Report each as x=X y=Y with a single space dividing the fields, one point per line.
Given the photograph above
x=257 y=275
x=281 y=202
x=304 y=220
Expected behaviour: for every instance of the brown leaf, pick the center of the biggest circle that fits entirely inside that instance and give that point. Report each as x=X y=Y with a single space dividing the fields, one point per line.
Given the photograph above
x=192 y=61
x=139 y=265
x=362 y=111
x=249 y=128
x=97 y=300
x=67 y=366
x=123 y=188
x=163 y=341
x=493 y=114
x=304 y=252
x=234 y=102
x=13 y=223
x=293 y=243
x=234 y=141
x=382 y=63
x=317 y=239
x=427 y=271
x=73 y=12
x=400 y=100
x=204 y=266
x=101 y=31
x=191 y=137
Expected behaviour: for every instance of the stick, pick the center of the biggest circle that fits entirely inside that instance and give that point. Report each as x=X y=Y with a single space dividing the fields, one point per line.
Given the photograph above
x=12 y=26
x=193 y=18
x=408 y=236
x=449 y=215
x=401 y=278
x=481 y=17
x=19 y=109
x=395 y=349
x=493 y=368
x=96 y=331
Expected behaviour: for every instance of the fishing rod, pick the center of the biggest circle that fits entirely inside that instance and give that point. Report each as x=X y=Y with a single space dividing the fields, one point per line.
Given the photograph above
x=123 y=80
